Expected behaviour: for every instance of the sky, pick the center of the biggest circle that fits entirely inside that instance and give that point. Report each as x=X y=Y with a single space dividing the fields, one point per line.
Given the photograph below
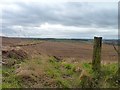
x=59 y=19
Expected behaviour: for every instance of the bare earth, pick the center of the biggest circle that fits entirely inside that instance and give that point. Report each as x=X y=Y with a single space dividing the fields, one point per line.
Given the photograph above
x=63 y=50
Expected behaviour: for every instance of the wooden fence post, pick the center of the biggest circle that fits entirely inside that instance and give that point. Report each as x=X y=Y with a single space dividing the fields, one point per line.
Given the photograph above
x=96 y=62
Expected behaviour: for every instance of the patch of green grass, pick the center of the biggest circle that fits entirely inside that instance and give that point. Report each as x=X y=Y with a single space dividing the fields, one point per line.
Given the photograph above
x=102 y=79
x=110 y=69
x=63 y=73
x=63 y=83
x=0 y=77
x=110 y=75
x=68 y=68
x=10 y=80
x=87 y=67
x=0 y=70
x=53 y=72
x=53 y=68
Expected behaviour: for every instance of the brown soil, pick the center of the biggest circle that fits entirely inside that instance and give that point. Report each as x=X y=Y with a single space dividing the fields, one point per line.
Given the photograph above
x=62 y=50
x=16 y=54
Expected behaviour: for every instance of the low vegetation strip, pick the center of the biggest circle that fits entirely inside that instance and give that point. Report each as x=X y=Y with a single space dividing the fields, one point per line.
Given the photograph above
x=48 y=72
x=28 y=44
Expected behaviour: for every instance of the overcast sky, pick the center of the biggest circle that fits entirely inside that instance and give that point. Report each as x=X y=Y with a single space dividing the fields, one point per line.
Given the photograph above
x=59 y=19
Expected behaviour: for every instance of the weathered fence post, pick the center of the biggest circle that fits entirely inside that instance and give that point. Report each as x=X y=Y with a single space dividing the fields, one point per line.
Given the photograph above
x=96 y=62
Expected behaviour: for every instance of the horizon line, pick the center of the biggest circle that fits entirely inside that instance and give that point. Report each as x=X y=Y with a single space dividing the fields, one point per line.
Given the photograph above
x=54 y=38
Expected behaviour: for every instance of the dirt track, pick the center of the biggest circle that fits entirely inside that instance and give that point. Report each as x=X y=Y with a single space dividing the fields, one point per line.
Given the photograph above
x=78 y=51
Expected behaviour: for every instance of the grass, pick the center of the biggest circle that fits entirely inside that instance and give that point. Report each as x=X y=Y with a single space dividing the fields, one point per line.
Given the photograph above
x=10 y=80
x=63 y=73
x=103 y=77
x=49 y=72
x=0 y=77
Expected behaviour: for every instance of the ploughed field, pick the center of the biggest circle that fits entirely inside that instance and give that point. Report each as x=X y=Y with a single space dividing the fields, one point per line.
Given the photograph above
x=80 y=51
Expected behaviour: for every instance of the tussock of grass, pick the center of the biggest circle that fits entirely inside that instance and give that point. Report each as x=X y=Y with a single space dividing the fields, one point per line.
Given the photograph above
x=102 y=79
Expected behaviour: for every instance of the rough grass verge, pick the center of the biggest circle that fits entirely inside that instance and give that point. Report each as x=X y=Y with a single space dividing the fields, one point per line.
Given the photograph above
x=51 y=73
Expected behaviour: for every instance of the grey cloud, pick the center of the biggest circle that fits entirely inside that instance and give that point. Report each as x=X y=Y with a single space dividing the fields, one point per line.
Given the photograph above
x=75 y=14
x=97 y=15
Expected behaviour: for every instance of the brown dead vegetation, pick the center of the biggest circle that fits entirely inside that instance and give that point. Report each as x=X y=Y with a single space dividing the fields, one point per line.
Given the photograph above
x=16 y=54
x=11 y=56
